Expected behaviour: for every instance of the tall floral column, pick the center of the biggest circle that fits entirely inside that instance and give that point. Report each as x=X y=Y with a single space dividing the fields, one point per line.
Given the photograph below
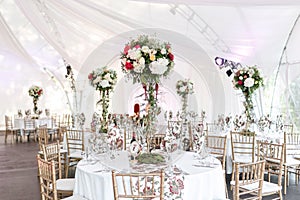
x=146 y=60
x=248 y=79
x=35 y=92
x=103 y=80
x=184 y=88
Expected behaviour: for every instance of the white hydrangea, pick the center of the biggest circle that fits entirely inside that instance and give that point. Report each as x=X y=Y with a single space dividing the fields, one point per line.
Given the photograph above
x=104 y=83
x=249 y=82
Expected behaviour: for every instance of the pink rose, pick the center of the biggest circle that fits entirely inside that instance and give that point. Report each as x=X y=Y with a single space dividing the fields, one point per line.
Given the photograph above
x=240 y=82
x=126 y=48
x=137 y=46
x=90 y=77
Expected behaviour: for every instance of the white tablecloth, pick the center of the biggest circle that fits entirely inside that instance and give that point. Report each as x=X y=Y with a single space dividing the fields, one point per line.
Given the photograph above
x=201 y=183
x=19 y=123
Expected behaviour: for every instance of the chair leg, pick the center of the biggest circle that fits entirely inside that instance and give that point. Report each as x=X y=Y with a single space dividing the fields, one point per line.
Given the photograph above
x=285 y=179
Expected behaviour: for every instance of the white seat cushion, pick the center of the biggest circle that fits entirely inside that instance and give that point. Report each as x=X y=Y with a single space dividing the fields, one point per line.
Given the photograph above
x=290 y=161
x=75 y=197
x=266 y=189
x=243 y=159
x=65 y=184
x=76 y=154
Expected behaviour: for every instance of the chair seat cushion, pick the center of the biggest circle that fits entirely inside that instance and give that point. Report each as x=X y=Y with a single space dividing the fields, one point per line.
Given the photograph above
x=76 y=154
x=75 y=197
x=65 y=184
x=243 y=159
x=290 y=161
x=268 y=188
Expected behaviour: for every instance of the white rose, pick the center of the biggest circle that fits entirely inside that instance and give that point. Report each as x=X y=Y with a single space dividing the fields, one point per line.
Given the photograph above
x=249 y=82
x=134 y=54
x=104 y=83
x=163 y=51
x=145 y=49
x=240 y=77
x=142 y=60
x=107 y=77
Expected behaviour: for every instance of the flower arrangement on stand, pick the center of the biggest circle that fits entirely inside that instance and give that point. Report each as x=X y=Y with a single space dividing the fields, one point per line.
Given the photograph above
x=146 y=60
x=35 y=92
x=103 y=80
x=248 y=80
x=184 y=88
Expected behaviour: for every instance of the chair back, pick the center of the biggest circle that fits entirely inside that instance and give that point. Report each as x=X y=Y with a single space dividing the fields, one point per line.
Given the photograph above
x=212 y=128
x=51 y=152
x=138 y=185
x=8 y=123
x=217 y=146
x=29 y=124
x=75 y=140
x=47 y=179
x=273 y=154
x=292 y=142
x=242 y=144
x=288 y=128
x=42 y=136
x=249 y=179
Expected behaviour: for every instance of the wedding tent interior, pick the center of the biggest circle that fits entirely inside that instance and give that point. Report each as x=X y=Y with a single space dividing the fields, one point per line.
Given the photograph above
x=40 y=38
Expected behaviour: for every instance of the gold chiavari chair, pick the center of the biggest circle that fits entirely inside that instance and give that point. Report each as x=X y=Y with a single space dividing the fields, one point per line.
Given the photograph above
x=242 y=147
x=138 y=185
x=291 y=157
x=29 y=128
x=273 y=154
x=217 y=147
x=42 y=133
x=248 y=180
x=75 y=147
x=211 y=128
x=48 y=182
x=10 y=130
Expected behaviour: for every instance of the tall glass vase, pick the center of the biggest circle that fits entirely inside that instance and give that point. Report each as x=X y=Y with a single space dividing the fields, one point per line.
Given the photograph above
x=152 y=110
x=104 y=102
x=184 y=137
x=249 y=112
x=35 y=108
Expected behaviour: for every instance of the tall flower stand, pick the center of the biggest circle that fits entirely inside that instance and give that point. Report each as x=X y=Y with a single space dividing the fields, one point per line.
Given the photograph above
x=104 y=102
x=152 y=109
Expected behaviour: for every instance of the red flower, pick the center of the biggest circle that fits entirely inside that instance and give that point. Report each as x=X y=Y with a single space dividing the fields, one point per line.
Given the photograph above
x=240 y=82
x=126 y=48
x=171 y=56
x=128 y=66
x=137 y=46
x=90 y=77
x=40 y=91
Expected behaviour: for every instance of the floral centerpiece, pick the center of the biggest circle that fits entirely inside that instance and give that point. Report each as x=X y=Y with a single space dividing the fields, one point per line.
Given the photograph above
x=146 y=60
x=35 y=92
x=184 y=88
x=248 y=80
x=103 y=80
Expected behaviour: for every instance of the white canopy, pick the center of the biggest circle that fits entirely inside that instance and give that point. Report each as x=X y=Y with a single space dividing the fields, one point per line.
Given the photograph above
x=37 y=35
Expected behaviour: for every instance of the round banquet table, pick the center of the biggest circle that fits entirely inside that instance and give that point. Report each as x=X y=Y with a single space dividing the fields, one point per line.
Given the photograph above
x=93 y=179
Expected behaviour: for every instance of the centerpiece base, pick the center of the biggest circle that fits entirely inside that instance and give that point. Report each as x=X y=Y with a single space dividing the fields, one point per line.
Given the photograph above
x=151 y=158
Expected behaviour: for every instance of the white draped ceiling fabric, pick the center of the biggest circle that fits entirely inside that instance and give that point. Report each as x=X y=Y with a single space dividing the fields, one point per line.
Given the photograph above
x=37 y=35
